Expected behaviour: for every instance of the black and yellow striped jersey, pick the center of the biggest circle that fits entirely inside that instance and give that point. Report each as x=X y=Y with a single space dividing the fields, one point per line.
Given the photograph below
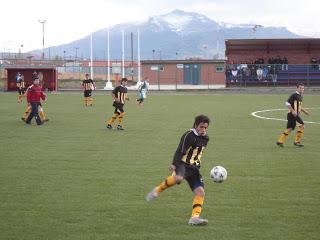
x=295 y=101
x=88 y=84
x=21 y=84
x=120 y=92
x=190 y=148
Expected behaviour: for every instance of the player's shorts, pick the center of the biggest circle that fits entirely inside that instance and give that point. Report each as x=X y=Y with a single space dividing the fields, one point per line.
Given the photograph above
x=118 y=107
x=142 y=95
x=190 y=173
x=292 y=121
x=87 y=93
x=21 y=91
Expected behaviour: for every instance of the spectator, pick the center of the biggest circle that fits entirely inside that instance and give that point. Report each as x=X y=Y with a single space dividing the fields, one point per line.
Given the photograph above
x=314 y=62
x=285 y=63
x=234 y=73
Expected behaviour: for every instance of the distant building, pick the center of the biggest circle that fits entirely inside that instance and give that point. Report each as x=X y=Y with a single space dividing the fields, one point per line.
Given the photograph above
x=296 y=50
x=184 y=72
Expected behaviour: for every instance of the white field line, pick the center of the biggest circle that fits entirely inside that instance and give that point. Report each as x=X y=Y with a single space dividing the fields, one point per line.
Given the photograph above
x=255 y=114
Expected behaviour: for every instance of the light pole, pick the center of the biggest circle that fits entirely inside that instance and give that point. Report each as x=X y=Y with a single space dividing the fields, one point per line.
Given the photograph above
x=20 y=51
x=76 y=56
x=205 y=47
x=42 y=22
x=64 y=59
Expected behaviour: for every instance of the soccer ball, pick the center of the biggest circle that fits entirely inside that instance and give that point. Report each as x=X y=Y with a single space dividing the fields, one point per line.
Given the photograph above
x=218 y=174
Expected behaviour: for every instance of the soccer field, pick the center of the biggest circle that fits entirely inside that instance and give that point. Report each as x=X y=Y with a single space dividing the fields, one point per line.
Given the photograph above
x=72 y=179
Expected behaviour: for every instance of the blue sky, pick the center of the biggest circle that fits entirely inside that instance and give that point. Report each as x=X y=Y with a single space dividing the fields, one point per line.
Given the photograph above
x=68 y=20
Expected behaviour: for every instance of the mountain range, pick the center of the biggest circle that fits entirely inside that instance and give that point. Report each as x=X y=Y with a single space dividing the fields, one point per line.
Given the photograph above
x=175 y=35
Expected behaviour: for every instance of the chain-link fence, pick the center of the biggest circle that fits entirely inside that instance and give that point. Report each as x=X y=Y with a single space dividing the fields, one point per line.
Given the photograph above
x=170 y=75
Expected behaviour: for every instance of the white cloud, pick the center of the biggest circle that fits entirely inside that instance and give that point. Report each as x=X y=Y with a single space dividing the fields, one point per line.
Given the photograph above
x=68 y=20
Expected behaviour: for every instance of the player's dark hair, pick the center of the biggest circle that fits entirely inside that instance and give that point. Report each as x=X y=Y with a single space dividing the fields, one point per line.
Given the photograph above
x=124 y=80
x=201 y=119
x=300 y=84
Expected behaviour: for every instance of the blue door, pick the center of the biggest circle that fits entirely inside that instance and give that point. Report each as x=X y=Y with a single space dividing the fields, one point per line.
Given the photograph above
x=191 y=74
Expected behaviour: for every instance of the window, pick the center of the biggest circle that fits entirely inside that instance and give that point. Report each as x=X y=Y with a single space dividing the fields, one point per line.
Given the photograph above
x=157 y=68
x=219 y=68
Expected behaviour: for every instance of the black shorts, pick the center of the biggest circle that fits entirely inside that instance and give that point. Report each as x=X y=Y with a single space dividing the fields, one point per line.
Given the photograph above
x=292 y=121
x=21 y=91
x=190 y=173
x=87 y=93
x=118 y=107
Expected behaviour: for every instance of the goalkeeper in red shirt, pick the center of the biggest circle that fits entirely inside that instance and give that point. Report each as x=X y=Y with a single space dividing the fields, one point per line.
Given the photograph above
x=34 y=97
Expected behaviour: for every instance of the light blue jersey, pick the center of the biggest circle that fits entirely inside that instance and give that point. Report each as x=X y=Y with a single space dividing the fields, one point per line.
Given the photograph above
x=143 y=89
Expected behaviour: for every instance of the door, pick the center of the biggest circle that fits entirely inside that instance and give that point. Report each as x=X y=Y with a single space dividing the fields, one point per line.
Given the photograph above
x=191 y=74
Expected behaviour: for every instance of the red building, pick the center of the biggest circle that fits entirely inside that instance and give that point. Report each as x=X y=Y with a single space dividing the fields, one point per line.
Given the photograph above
x=184 y=72
x=297 y=51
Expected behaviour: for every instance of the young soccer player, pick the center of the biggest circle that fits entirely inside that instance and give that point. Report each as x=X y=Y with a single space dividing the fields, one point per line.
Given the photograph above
x=34 y=97
x=119 y=96
x=186 y=164
x=28 y=109
x=143 y=89
x=20 y=85
x=88 y=85
x=294 y=104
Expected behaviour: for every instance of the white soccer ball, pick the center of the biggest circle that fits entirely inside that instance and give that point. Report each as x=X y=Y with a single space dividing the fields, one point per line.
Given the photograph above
x=218 y=174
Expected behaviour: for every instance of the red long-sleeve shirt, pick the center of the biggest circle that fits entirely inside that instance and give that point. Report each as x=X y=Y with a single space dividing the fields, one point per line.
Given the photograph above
x=35 y=94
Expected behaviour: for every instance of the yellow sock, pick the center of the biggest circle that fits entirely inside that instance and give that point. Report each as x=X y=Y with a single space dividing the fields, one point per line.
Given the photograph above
x=283 y=136
x=113 y=118
x=19 y=98
x=120 y=118
x=86 y=101
x=298 y=135
x=197 y=206
x=169 y=182
x=26 y=112
x=42 y=115
x=90 y=101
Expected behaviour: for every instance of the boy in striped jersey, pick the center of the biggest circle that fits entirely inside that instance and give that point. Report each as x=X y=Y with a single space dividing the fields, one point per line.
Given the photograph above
x=119 y=96
x=186 y=165
x=294 y=104
x=20 y=85
x=88 y=85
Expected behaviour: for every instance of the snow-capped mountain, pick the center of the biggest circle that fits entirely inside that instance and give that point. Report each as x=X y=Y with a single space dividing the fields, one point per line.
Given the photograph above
x=180 y=21
x=175 y=35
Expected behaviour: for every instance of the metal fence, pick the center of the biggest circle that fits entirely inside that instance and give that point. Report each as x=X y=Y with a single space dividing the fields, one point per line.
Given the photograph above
x=71 y=73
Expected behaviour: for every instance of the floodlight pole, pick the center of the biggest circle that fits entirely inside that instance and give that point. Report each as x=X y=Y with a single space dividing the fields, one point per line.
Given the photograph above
x=123 y=74
x=139 y=64
x=108 y=83
x=91 y=61
x=42 y=22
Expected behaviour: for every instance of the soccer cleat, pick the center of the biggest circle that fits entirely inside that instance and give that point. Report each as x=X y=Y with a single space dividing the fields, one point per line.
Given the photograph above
x=109 y=126
x=120 y=127
x=298 y=144
x=152 y=195
x=280 y=144
x=23 y=119
x=45 y=120
x=197 y=221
